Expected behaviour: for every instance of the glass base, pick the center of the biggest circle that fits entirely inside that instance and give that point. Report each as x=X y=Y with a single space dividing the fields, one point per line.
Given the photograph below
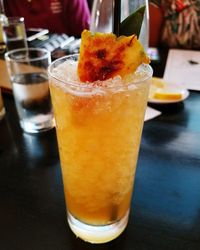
x=38 y=124
x=97 y=234
x=2 y=113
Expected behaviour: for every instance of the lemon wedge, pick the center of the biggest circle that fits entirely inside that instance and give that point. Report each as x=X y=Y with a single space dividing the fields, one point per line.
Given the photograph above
x=160 y=90
x=167 y=94
x=158 y=82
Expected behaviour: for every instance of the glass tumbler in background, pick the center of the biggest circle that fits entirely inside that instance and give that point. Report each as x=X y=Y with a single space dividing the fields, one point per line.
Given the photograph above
x=14 y=33
x=27 y=69
x=99 y=131
x=2 y=20
x=2 y=109
x=102 y=17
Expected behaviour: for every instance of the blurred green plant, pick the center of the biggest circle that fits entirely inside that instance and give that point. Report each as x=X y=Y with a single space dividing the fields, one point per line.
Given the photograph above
x=133 y=23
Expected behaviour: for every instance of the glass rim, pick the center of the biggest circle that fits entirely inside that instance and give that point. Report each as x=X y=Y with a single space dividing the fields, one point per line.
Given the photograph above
x=24 y=60
x=89 y=85
x=10 y=20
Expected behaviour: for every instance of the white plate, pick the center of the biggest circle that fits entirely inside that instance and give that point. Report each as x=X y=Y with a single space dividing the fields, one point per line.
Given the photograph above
x=185 y=94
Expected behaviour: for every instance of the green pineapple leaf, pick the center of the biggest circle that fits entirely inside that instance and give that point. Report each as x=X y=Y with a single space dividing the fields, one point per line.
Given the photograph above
x=133 y=23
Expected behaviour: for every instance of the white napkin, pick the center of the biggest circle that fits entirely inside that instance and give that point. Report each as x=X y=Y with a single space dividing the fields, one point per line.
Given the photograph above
x=151 y=113
x=183 y=68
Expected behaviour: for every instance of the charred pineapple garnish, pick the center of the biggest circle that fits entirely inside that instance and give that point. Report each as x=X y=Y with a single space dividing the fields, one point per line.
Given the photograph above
x=104 y=56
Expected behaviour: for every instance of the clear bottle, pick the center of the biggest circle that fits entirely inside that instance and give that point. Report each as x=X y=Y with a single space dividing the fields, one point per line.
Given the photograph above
x=2 y=20
x=102 y=16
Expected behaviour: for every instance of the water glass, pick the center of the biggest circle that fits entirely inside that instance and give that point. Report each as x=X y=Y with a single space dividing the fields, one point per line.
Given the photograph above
x=27 y=69
x=2 y=19
x=14 y=33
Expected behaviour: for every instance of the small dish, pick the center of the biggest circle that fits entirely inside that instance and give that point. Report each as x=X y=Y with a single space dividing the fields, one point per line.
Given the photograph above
x=165 y=93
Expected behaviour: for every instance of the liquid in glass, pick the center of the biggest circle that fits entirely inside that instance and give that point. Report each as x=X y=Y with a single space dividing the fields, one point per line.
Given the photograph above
x=99 y=129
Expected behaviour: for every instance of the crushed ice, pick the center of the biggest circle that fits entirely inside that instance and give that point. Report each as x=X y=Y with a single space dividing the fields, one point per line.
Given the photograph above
x=67 y=72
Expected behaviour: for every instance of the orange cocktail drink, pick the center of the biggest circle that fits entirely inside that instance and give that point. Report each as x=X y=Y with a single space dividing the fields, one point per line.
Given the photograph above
x=99 y=129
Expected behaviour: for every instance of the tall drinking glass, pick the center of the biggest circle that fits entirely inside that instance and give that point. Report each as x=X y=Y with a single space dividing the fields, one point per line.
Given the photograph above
x=99 y=129
x=102 y=17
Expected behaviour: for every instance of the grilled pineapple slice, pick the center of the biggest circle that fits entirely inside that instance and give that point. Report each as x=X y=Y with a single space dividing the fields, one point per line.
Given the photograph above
x=104 y=56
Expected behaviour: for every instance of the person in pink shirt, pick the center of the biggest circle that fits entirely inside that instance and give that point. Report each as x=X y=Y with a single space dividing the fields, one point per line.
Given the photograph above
x=58 y=16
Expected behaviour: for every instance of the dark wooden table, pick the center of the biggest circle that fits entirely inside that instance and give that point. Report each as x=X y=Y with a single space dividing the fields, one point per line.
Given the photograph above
x=165 y=212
